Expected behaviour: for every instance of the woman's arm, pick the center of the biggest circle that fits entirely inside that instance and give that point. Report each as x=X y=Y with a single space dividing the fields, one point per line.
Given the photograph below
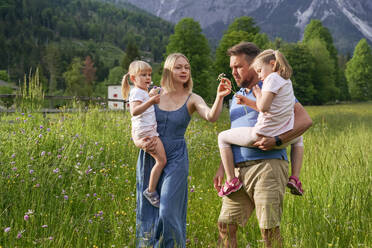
x=212 y=114
x=302 y=122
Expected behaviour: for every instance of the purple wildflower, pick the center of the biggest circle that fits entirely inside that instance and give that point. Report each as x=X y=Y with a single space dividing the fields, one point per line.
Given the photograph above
x=7 y=229
x=26 y=217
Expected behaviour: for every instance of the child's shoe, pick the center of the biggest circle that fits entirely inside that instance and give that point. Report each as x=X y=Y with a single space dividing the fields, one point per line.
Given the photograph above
x=296 y=187
x=153 y=197
x=230 y=187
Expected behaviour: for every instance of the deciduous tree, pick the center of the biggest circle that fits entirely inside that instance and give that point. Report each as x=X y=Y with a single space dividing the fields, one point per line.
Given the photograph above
x=359 y=72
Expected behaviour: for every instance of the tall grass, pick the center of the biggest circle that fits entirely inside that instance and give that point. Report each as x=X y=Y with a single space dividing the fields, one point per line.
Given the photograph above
x=69 y=181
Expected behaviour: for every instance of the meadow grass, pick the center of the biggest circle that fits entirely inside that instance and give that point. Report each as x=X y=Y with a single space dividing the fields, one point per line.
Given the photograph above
x=68 y=180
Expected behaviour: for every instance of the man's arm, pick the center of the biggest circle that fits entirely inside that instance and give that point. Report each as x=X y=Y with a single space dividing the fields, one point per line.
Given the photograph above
x=302 y=122
x=218 y=178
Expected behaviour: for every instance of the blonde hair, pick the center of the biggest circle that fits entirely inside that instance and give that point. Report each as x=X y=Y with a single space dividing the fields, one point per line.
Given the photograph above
x=166 y=78
x=281 y=65
x=135 y=68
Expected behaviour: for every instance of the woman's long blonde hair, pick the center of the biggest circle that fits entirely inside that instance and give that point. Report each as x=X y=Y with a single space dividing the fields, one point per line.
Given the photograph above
x=166 y=78
x=281 y=65
x=134 y=69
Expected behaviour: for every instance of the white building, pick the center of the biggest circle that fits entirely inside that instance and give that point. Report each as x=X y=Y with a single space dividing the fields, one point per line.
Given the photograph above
x=114 y=92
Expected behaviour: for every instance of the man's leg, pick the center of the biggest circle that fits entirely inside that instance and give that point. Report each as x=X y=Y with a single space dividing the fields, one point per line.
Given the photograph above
x=227 y=235
x=268 y=198
x=272 y=237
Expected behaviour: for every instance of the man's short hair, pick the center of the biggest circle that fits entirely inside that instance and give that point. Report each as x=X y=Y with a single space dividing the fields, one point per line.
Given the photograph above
x=249 y=49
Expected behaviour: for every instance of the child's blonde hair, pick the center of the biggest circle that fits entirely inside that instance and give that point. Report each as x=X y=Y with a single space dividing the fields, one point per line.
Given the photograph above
x=166 y=78
x=281 y=65
x=135 y=68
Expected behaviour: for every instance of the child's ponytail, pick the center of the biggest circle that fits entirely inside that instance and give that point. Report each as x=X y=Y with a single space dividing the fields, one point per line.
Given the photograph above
x=282 y=66
x=125 y=88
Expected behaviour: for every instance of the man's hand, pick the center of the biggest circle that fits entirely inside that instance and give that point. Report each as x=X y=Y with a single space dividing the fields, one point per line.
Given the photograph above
x=218 y=178
x=148 y=144
x=264 y=143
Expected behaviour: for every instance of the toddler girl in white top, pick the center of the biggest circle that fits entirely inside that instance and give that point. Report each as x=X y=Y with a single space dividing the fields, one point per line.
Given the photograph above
x=143 y=119
x=275 y=102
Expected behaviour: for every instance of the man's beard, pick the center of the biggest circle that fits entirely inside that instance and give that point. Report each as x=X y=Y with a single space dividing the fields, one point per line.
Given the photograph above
x=244 y=84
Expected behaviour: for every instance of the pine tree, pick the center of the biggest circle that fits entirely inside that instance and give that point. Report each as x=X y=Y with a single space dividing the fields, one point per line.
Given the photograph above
x=242 y=29
x=131 y=53
x=189 y=40
x=359 y=72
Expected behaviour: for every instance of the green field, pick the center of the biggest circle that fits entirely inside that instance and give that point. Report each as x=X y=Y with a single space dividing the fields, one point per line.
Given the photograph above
x=68 y=180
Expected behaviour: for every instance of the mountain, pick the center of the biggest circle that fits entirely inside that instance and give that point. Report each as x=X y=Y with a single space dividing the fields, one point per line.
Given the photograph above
x=347 y=20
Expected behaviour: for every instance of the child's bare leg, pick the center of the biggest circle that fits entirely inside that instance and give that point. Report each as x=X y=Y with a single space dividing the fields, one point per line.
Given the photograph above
x=243 y=136
x=228 y=162
x=297 y=153
x=160 y=162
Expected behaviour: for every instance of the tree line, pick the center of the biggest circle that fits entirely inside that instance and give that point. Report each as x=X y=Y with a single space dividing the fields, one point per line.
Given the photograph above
x=102 y=40
x=321 y=75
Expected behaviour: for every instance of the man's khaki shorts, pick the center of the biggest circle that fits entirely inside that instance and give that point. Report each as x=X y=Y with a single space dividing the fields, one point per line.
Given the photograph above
x=264 y=183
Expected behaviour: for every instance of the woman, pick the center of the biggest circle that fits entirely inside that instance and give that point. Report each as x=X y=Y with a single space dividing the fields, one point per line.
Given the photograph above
x=166 y=226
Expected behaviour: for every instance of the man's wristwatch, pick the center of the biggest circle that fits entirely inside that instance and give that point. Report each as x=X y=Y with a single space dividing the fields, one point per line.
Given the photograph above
x=278 y=141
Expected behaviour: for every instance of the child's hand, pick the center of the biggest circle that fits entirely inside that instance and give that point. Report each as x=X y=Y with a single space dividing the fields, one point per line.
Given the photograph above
x=155 y=99
x=256 y=91
x=154 y=91
x=241 y=99
x=224 y=88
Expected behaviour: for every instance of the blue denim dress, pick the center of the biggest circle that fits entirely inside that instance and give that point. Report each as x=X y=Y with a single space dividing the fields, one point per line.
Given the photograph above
x=165 y=226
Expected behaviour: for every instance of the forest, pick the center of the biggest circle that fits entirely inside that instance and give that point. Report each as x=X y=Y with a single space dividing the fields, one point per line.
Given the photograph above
x=82 y=46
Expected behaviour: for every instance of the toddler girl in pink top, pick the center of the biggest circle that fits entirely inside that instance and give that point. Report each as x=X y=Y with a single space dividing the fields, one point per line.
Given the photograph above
x=275 y=102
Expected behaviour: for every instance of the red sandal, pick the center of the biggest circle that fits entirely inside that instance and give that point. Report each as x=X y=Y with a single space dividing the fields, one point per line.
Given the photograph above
x=234 y=185
x=296 y=188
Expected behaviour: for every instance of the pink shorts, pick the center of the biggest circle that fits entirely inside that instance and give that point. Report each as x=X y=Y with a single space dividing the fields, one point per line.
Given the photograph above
x=144 y=132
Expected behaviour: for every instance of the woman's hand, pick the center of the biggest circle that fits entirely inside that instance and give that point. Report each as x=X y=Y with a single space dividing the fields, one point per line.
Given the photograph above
x=224 y=88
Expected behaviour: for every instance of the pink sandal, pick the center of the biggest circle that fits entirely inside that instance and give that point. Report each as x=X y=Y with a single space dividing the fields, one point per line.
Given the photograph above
x=296 y=188
x=230 y=187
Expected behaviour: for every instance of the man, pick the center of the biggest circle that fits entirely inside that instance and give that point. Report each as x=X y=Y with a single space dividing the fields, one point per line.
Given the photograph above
x=264 y=172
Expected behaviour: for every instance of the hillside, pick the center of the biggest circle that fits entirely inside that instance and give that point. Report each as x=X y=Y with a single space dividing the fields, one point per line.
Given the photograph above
x=30 y=27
